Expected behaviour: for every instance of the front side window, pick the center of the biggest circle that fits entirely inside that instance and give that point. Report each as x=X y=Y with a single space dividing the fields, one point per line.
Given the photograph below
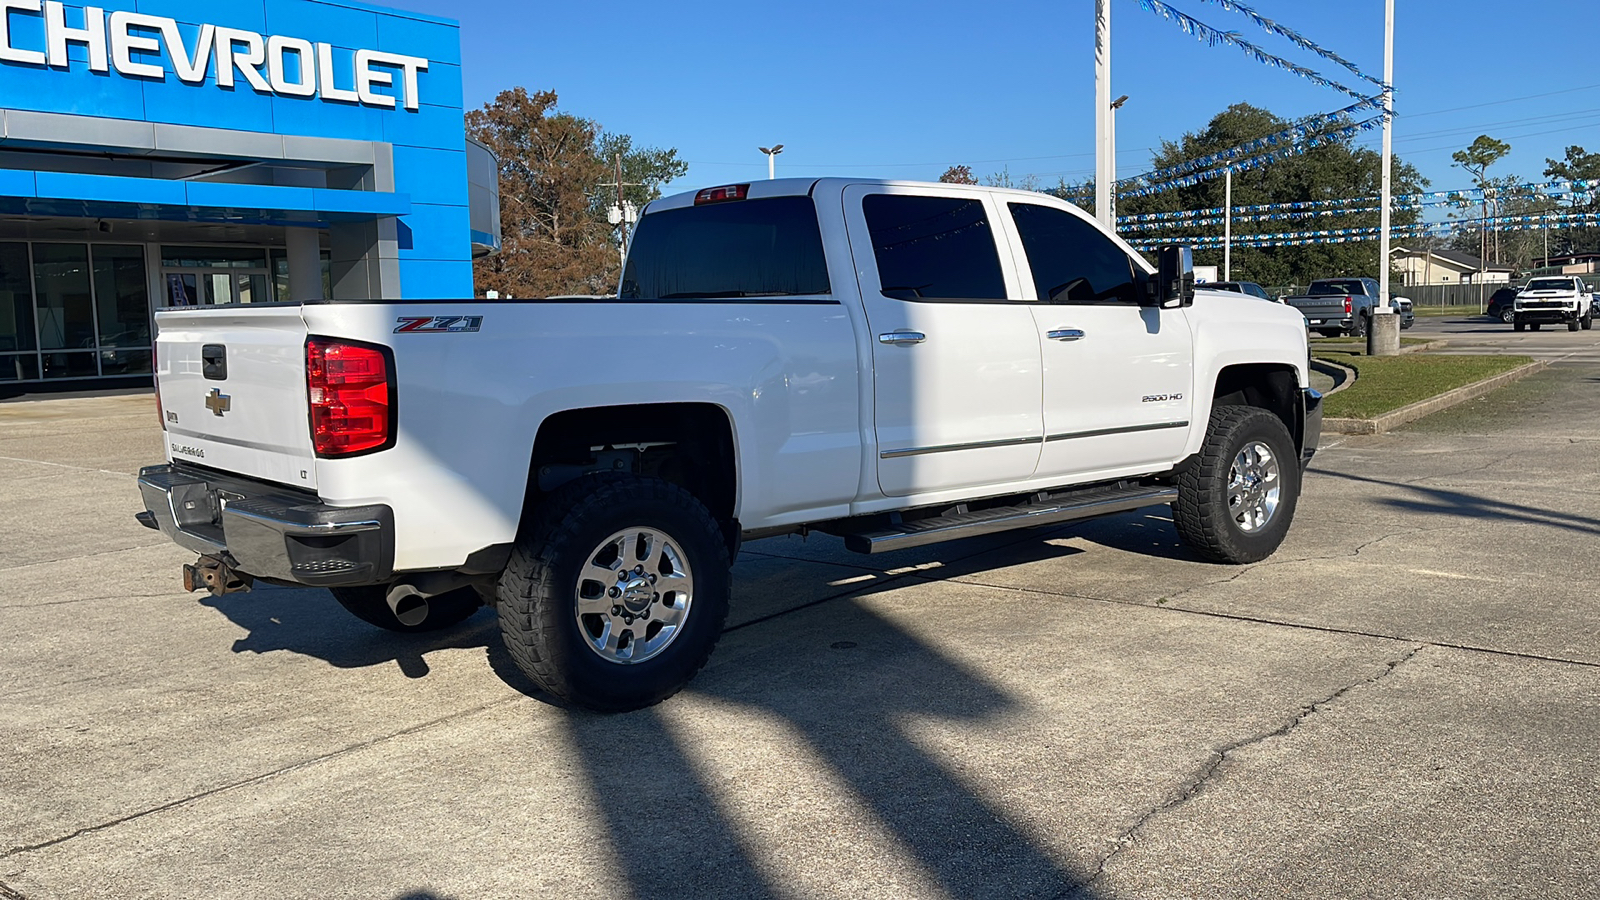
x=1073 y=261
x=933 y=248
x=740 y=248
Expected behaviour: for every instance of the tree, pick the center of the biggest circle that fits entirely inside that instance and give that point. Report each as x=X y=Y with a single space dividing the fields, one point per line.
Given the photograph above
x=1334 y=170
x=1476 y=159
x=1579 y=165
x=555 y=237
x=958 y=175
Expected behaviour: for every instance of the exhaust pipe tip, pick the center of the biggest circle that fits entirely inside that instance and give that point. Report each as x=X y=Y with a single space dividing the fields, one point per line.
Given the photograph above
x=409 y=605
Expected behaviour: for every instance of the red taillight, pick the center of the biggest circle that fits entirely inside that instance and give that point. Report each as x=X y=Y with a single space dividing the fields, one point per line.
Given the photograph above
x=350 y=389
x=722 y=194
x=1347 y=306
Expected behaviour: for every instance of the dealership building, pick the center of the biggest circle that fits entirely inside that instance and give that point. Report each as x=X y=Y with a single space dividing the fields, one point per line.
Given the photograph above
x=158 y=153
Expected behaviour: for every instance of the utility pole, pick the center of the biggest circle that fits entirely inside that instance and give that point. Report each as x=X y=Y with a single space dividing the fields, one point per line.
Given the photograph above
x=1383 y=329
x=1105 y=169
x=1227 y=224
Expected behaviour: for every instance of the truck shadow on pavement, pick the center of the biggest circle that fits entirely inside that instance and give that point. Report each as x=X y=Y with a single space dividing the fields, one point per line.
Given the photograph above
x=1443 y=502
x=308 y=621
x=683 y=824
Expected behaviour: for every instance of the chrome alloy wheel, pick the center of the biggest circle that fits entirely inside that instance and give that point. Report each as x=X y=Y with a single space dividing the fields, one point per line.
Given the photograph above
x=633 y=595
x=1254 y=487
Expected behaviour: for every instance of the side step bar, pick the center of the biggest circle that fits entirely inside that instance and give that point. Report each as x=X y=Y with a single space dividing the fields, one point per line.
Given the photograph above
x=1042 y=510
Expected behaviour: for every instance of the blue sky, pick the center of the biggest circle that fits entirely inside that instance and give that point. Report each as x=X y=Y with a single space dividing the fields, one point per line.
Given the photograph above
x=905 y=89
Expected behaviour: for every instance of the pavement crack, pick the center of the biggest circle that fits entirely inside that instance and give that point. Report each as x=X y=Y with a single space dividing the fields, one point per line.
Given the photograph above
x=7 y=892
x=1208 y=771
x=254 y=779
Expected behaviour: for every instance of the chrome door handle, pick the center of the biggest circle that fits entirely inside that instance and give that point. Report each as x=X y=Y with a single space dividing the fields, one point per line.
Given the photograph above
x=1065 y=334
x=902 y=337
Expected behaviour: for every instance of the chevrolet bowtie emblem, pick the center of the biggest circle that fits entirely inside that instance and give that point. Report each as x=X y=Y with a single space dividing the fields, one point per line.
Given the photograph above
x=218 y=402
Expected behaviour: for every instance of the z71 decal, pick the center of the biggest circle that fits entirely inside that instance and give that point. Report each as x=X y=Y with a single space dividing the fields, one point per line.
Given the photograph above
x=437 y=324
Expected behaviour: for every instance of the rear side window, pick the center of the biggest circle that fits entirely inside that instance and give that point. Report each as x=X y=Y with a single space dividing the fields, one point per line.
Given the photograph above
x=933 y=248
x=1072 y=261
x=742 y=248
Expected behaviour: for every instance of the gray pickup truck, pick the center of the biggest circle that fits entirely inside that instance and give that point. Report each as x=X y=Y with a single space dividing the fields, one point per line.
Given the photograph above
x=1336 y=306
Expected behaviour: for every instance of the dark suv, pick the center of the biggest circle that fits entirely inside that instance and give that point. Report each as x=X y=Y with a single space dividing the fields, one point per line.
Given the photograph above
x=1502 y=305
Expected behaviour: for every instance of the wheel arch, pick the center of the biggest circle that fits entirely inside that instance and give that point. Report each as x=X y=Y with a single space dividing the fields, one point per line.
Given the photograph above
x=1274 y=387
x=691 y=444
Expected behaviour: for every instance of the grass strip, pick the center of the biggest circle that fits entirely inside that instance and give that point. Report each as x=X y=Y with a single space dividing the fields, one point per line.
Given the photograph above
x=1362 y=341
x=1386 y=383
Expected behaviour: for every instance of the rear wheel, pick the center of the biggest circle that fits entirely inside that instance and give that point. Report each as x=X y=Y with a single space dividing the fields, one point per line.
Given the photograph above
x=1358 y=327
x=1508 y=315
x=616 y=593
x=1236 y=502
x=1587 y=322
x=369 y=604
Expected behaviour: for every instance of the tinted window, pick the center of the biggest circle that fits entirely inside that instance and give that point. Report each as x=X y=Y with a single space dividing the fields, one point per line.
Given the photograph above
x=933 y=248
x=1072 y=261
x=741 y=248
x=1352 y=286
x=1550 y=284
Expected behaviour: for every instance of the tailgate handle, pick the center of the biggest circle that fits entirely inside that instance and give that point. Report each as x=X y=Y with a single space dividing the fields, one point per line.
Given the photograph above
x=214 y=362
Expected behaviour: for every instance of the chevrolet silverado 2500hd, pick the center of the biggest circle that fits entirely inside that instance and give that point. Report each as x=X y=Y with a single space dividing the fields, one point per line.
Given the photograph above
x=1553 y=300
x=893 y=363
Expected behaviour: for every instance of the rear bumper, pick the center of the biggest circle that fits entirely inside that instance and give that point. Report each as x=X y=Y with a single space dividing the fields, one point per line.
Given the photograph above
x=1311 y=433
x=268 y=531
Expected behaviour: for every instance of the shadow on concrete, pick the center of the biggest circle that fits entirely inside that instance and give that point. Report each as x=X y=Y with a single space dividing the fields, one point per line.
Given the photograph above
x=846 y=698
x=422 y=895
x=309 y=621
x=1440 y=501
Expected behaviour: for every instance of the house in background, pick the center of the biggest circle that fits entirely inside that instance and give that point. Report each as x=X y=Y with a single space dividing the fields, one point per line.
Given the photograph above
x=1419 y=267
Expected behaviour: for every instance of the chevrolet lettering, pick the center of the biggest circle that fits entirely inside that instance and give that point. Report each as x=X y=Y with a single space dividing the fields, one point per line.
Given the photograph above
x=135 y=45
x=891 y=363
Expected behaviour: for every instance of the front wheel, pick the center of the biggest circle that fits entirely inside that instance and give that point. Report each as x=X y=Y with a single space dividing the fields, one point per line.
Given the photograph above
x=1236 y=502
x=1519 y=326
x=616 y=593
x=1534 y=326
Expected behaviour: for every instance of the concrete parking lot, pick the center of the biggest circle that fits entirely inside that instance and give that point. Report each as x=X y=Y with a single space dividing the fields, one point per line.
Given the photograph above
x=1403 y=702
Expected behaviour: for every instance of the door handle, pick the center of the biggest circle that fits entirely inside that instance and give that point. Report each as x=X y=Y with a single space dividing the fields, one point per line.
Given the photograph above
x=1065 y=334
x=902 y=337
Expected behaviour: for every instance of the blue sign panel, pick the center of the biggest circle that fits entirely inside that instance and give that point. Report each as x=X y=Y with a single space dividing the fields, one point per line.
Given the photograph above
x=290 y=68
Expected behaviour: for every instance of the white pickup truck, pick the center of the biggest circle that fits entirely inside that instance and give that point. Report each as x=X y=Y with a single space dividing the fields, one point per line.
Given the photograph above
x=1553 y=300
x=894 y=363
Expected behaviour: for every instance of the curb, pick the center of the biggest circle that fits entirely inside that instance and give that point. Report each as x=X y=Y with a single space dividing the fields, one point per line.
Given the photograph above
x=1342 y=377
x=1415 y=411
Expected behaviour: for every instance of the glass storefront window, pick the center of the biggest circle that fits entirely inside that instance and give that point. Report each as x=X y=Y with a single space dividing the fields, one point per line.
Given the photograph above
x=122 y=295
x=16 y=301
x=214 y=257
x=62 y=299
x=71 y=365
x=19 y=367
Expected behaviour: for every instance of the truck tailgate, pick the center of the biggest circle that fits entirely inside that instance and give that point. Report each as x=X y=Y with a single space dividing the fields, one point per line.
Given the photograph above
x=1319 y=307
x=232 y=387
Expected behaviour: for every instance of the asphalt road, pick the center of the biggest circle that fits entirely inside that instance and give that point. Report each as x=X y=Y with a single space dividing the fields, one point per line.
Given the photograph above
x=1479 y=334
x=1403 y=702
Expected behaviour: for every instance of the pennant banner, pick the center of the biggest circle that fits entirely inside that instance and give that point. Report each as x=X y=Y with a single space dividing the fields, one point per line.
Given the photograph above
x=1191 y=25
x=1353 y=235
x=1293 y=36
x=1254 y=162
x=1555 y=189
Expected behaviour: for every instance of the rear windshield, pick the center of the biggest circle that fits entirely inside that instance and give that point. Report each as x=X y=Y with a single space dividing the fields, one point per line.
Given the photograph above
x=1549 y=284
x=1351 y=286
x=741 y=248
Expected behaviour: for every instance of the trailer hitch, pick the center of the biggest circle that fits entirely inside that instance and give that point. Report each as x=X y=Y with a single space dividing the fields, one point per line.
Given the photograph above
x=210 y=573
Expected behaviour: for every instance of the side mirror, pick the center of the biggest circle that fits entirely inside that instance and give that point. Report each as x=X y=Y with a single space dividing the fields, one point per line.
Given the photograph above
x=1174 y=277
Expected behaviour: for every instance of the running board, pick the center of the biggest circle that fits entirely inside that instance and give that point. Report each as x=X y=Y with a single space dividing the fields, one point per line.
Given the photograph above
x=1044 y=510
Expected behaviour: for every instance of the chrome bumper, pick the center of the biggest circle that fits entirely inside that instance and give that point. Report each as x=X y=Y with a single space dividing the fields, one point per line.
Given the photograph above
x=267 y=531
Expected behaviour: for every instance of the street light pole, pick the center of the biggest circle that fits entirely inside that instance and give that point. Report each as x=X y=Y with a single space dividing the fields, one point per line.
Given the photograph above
x=1383 y=330
x=772 y=155
x=1105 y=169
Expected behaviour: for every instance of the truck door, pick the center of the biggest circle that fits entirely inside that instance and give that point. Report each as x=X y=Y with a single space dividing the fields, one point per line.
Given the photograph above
x=956 y=360
x=1118 y=376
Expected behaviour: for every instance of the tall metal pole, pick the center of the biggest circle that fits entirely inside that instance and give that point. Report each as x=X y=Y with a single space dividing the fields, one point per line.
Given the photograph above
x=1384 y=339
x=1227 y=225
x=1105 y=168
x=772 y=166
